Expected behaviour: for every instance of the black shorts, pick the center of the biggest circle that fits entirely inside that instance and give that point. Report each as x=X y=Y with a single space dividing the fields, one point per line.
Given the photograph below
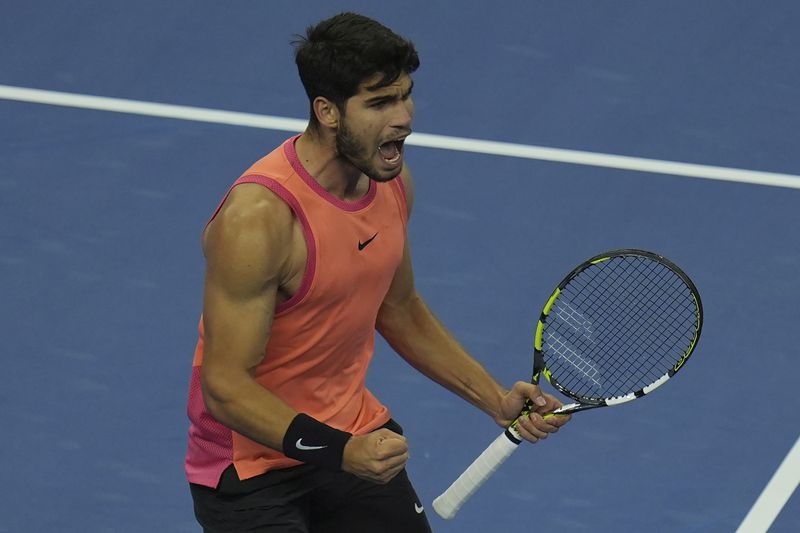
x=309 y=499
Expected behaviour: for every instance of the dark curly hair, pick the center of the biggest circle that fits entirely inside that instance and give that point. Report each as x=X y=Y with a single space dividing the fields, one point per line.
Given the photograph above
x=340 y=53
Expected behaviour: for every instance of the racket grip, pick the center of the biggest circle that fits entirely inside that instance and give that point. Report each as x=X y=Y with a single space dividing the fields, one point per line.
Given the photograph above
x=450 y=501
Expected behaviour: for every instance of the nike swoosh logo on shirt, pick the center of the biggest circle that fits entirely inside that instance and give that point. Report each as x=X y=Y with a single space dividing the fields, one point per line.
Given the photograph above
x=362 y=245
x=300 y=446
x=418 y=508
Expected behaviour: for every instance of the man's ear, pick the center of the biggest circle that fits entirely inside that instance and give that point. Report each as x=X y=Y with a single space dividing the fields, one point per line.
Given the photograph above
x=327 y=113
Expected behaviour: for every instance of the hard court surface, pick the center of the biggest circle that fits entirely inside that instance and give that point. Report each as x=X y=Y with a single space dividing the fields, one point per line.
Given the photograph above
x=101 y=268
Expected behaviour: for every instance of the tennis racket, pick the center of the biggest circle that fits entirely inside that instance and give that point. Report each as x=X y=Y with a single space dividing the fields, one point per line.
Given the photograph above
x=619 y=326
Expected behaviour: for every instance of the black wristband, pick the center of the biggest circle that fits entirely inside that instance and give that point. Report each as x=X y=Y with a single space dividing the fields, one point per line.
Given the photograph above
x=313 y=442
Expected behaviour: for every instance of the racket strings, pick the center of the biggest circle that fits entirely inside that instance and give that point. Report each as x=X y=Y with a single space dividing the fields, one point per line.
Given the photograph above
x=634 y=331
x=618 y=326
x=638 y=331
x=647 y=335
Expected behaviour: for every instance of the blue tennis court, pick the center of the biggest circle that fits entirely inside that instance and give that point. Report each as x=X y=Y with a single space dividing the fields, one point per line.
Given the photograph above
x=102 y=269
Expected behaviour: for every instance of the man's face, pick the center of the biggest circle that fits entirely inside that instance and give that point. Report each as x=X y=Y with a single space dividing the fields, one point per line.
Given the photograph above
x=374 y=125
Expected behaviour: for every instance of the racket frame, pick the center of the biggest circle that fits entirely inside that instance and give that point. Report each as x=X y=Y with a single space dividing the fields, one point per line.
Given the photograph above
x=584 y=403
x=450 y=501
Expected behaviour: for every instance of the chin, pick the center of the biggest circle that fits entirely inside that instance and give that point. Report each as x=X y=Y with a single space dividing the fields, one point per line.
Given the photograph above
x=378 y=173
x=383 y=177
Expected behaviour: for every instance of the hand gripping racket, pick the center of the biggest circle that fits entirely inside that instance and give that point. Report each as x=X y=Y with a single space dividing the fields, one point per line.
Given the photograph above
x=619 y=326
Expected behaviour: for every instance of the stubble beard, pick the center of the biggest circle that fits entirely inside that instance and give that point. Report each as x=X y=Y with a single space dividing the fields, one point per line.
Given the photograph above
x=358 y=155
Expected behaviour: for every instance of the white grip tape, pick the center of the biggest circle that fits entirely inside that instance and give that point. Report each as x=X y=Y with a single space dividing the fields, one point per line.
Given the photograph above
x=450 y=501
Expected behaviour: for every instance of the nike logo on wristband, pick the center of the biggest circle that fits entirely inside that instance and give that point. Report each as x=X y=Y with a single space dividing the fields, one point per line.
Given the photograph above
x=300 y=446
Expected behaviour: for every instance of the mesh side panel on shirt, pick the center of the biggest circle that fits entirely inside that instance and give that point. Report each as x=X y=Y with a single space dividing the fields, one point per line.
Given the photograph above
x=210 y=449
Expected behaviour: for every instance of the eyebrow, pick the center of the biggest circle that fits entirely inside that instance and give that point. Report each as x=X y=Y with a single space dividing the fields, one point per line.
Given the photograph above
x=387 y=97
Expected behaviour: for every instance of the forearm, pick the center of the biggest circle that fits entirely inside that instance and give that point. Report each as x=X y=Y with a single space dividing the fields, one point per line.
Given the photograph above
x=415 y=333
x=240 y=403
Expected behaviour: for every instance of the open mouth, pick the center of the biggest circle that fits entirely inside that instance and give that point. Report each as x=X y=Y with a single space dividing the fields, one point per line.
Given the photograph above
x=392 y=151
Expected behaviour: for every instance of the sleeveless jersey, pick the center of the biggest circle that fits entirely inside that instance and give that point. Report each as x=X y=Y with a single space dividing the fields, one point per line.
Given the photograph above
x=322 y=338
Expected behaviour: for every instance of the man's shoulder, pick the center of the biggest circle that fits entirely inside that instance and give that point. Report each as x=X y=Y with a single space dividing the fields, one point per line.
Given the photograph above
x=252 y=203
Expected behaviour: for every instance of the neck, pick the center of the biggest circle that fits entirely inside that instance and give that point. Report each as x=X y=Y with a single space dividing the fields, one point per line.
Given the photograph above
x=317 y=152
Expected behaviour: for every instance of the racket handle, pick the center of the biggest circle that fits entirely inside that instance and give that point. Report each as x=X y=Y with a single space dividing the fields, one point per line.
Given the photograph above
x=450 y=501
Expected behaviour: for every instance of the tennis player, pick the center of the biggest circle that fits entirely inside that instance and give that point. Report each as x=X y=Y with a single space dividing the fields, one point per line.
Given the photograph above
x=307 y=256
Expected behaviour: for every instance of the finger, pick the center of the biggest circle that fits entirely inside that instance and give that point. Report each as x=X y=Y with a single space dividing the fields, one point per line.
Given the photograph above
x=529 y=430
x=389 y=475
x=557 y=419
x=389 y=437
x=397 y=462
x=552 y=403
x=527 y=435
x=386 y=448
x=532 y=392
x=391 y=447
x=539 y=422
x=384 y=471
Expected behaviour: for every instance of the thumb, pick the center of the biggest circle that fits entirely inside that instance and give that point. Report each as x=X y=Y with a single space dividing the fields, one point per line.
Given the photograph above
x=532 y=392
x=538 y=398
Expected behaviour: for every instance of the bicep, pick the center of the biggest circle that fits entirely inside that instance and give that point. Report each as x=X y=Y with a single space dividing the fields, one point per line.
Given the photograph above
x=245 y=250
x=236 y=324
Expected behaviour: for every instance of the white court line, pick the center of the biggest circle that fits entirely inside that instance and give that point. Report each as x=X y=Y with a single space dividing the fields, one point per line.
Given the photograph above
x=775 y=495
x=252 y=120
x=151 y=109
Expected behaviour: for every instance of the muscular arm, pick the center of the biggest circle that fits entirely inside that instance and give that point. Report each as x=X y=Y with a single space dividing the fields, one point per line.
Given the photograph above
x=414 y=332
x=411 y=328
x=246 y=248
